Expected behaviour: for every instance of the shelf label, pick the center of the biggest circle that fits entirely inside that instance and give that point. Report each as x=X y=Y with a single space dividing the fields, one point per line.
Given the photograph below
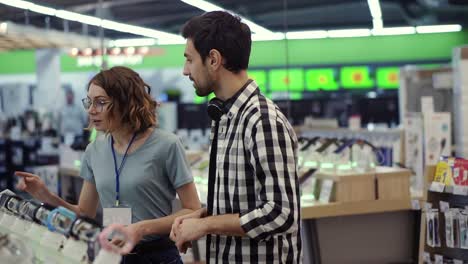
x=415 y=204
x=326 y=191
x=437 y=187
x=444 y=206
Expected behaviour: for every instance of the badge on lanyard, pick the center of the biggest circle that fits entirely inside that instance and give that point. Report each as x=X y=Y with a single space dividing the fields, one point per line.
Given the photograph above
x=119 y=214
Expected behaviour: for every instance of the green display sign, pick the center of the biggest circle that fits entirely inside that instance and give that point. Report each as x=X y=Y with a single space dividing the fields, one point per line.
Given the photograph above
x=321 y=79
x=260 y=77
x=284 y=80
x=356 y=78
x=295 y=96
x=388 y=77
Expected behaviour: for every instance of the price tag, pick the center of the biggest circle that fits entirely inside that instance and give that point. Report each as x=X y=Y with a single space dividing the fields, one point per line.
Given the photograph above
x=427 y=257
x=326 y=191
x=460 y=190
x=444 y=206
x=437 y=187
x=415 y=205
x=428 y=206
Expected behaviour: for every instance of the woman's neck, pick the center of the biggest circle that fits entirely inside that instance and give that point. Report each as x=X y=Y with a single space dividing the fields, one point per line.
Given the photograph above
x=122 y=137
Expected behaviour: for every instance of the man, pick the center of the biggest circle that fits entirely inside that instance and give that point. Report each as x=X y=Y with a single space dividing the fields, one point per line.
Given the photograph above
x=253 y=212
x=72 y=117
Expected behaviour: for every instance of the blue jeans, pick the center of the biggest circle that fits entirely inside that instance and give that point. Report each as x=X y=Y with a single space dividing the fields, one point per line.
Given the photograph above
x=167 y=256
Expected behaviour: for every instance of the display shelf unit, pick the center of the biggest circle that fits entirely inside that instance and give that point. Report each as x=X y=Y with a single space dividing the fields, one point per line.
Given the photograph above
x=455 y=201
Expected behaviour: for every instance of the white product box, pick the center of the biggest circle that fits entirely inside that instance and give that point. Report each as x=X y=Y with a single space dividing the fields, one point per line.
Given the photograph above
x=437 y=136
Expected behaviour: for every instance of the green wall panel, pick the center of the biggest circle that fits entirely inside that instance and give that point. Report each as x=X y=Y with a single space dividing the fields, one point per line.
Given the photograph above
x=300 y=52
x=23 y=61
x=358 y=50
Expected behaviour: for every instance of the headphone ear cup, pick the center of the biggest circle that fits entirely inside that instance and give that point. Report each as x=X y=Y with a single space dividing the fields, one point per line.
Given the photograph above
x=215 y=109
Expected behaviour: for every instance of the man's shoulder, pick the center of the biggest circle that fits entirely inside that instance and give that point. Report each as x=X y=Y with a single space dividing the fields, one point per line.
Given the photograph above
x=261 y=108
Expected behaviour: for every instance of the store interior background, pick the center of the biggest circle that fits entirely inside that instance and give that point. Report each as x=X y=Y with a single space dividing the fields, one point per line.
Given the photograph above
x=322 y=83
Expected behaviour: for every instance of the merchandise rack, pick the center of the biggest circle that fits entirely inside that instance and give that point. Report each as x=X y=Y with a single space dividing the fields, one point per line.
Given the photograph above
x=455 y=201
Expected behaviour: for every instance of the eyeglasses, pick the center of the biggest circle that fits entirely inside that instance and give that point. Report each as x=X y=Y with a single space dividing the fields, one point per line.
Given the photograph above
x=98 y=104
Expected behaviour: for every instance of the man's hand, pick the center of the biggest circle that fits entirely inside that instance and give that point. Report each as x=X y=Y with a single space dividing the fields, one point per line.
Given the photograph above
x=200 y=213
x=189 y=230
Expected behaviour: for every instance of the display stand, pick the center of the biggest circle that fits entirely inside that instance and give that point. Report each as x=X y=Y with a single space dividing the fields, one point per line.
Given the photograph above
x=455 y=201
x=438 y=202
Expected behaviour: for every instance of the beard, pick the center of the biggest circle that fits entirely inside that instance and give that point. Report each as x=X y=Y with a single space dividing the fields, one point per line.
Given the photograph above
x=204 y=88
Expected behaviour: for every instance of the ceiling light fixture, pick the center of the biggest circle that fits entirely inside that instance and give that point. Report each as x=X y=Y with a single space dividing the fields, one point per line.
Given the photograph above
x=311 y=34
x=3 y=27
x=393 y=31
x=348 y=33
x=90 y=20
x=134 y=42
x=375 y=10
x=438 y=29
x=259 y=33
x=208 y=7
x=267 y=37
x=94 y=21
x=376 y=13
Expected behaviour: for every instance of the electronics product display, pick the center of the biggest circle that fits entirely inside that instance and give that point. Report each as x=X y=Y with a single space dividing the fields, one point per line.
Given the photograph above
x=446 y=220
x=32 y=232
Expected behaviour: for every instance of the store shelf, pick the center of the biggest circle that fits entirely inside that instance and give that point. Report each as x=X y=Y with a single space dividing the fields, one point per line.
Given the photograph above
x=69 y=172
x=347 y=133
x=455 y=201
x=313 y=211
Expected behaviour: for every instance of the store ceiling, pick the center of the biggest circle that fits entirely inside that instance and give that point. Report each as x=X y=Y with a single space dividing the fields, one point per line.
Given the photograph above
x=170 y=15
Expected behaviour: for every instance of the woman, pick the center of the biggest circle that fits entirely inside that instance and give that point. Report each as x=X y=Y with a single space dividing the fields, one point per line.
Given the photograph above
x=134 y=169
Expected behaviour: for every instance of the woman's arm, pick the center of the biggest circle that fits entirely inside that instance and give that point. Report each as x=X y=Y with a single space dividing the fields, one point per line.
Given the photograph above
x=162 y=226
x=35 y=186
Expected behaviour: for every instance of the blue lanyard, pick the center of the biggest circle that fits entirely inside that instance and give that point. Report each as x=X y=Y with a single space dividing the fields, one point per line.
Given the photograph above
x=117 y=171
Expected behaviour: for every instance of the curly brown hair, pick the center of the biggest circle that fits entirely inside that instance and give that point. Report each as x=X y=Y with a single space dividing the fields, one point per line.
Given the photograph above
x=131 y=101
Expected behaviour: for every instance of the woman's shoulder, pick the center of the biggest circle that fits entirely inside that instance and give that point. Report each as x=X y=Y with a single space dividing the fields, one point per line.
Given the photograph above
x=165 y=136
x=98 y=143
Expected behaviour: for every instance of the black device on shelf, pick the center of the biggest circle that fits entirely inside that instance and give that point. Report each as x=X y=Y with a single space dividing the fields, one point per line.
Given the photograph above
x=192 y=116
x=455 y=201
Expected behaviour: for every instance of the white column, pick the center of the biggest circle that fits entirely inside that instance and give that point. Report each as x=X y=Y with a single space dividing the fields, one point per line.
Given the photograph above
x=48 y=95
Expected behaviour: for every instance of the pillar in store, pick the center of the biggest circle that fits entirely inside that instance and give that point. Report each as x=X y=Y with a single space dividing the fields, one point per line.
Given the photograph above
x=460 y=100
x=48 y=79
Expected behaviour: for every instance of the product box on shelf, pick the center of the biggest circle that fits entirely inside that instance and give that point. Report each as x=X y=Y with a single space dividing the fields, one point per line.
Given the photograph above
x=392 y=183
x=414 y=149
x=348 y=186
x=452 y=171
x=437 y=136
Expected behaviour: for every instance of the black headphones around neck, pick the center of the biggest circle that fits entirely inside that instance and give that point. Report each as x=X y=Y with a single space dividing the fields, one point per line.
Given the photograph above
x=215 y=109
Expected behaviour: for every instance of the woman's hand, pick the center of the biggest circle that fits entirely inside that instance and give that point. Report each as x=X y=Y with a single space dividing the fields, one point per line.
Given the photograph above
x=34 y=185
x=122 y=238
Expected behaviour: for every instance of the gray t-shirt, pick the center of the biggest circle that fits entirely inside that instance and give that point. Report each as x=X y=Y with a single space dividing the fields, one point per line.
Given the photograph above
x=149 y=178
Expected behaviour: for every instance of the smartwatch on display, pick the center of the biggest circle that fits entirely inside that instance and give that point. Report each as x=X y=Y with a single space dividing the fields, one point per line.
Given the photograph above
x=42 y=212
x=85 y=229
x=3 y=199
x=27 y=209
x=12 y=204
x=60 y=220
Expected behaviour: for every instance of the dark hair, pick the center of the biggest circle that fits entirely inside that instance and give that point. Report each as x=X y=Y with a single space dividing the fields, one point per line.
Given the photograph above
x=224 y=32
x=131 y=97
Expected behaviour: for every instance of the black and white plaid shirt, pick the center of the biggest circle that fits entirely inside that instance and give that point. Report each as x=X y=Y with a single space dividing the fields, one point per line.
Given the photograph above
x=257 y=178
